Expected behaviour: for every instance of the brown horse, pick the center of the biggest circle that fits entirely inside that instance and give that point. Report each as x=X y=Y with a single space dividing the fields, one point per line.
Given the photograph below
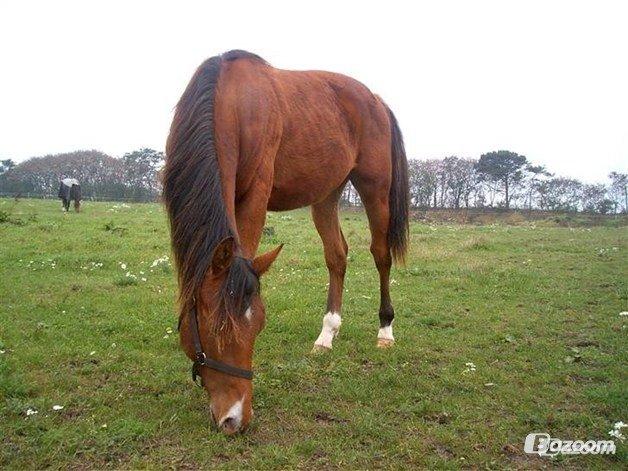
x=247 y=138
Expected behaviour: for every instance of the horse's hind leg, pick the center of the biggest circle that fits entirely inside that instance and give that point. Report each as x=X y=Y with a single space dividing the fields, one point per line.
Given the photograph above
x=374 y=192
x=325 y=216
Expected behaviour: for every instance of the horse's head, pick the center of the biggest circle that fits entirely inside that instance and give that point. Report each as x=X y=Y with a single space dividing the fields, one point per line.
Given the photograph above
x=230 y=315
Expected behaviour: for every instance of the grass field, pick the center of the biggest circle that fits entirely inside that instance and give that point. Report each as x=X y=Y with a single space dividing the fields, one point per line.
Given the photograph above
x=535 y=309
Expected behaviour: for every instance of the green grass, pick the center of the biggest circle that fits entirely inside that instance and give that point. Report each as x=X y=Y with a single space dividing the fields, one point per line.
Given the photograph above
x=536 y=309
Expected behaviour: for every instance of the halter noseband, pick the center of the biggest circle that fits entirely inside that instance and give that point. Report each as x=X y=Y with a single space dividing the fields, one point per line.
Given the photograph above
x=200 y=359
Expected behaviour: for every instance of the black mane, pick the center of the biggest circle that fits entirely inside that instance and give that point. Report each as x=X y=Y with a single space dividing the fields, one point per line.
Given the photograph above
x=192 y=192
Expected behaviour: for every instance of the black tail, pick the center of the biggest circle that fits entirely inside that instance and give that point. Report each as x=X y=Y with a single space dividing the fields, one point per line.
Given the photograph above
x=398 y=200
x=75 y=193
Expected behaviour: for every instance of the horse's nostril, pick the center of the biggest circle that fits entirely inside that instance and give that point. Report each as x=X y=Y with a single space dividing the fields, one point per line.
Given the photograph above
x=230 y=425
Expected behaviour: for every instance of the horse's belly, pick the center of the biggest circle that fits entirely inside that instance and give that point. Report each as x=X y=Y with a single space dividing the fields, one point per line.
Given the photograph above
x=286 y=200
x=305 y=180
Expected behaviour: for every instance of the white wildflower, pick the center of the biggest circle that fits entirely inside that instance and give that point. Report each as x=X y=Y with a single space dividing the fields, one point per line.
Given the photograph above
x=470 y=367
x=57 y=407
x=93 y=352
x=623 y=314
x=30 y=411
x=159 y=261
x=616 y=432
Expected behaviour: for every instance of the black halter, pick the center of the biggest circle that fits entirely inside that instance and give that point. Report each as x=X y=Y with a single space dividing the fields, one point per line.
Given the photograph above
x=200 y=359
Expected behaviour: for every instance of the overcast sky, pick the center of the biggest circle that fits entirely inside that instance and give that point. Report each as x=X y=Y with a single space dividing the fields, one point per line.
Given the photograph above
x=546 y=79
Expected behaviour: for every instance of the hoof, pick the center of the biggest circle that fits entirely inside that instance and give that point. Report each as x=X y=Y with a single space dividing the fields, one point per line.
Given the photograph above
x=385 y=343
x=319 y=349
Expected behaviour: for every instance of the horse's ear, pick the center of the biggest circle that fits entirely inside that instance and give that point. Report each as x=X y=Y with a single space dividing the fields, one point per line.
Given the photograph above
x=262 y=263
x=223 y=255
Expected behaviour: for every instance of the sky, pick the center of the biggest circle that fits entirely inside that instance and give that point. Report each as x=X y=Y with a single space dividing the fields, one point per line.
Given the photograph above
x=546 y=79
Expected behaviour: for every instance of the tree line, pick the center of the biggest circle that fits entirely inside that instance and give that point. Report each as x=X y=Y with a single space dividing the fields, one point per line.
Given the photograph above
x=500 y=179
x=133 y=177
x=505 y=179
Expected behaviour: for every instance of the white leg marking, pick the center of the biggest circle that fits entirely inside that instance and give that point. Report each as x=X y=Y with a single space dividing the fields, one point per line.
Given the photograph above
x=385 y=337
x=385 y=333
x=235 y=413
x=331 y=325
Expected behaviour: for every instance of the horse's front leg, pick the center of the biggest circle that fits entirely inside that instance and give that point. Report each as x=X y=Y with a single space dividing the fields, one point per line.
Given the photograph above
x=250 y=215
x=325 y=215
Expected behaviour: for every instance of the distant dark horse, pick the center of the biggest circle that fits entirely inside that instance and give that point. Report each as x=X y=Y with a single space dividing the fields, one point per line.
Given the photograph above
x=247 y=138
x=70 y=189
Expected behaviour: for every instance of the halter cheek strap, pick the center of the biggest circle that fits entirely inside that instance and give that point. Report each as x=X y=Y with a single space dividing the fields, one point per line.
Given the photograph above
x=200 y=359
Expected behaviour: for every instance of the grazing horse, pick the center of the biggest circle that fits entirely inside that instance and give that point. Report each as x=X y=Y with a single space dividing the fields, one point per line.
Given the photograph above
x=70 y=189
x=246 y=138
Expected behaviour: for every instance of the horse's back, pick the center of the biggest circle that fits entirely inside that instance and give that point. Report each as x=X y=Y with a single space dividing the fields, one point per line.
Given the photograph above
x=318 y=123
